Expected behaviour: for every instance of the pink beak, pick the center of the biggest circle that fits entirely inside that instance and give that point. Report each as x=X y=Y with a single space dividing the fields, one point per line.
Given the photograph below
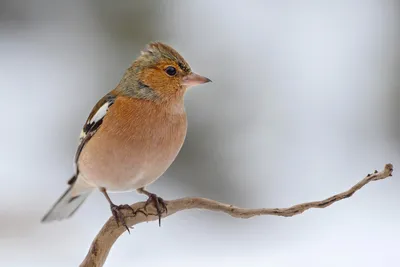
x=194 y=79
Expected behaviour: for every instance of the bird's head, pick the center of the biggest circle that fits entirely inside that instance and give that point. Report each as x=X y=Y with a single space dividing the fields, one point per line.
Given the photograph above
x=160 y=71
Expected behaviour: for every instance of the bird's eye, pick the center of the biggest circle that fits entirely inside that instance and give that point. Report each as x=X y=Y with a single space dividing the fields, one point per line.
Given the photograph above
x=171 y=71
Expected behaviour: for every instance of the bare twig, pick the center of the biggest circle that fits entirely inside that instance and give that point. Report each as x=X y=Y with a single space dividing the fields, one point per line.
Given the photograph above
x=110 y=232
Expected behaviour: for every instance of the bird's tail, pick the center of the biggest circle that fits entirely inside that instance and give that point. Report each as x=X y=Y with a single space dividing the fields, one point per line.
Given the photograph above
x=66 y=205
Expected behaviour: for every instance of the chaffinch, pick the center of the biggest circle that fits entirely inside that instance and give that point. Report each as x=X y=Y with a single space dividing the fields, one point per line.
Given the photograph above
x=133 y=134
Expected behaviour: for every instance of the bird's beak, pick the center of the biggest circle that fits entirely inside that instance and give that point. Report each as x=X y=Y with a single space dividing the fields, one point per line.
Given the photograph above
x=193 y=79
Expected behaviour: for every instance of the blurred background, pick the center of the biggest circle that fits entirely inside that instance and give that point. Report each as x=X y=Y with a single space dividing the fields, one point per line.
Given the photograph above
x=304 y=103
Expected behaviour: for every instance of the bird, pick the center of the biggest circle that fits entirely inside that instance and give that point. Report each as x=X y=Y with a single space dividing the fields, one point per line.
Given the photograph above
x=133 y=134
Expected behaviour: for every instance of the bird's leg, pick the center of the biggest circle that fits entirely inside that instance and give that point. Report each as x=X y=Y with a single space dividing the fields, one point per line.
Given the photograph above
x=116 y=210
x=158 y=202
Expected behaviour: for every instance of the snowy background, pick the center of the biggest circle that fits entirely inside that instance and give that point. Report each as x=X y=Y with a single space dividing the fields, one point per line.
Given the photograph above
x=304 y=103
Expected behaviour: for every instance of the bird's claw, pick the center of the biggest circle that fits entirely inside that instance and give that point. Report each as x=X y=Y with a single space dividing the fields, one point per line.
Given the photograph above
x=120 y=217
x=159 y=204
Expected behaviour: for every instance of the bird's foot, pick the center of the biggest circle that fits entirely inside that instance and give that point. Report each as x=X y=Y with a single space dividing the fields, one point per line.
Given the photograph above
x=119 y=216
x=159 y=204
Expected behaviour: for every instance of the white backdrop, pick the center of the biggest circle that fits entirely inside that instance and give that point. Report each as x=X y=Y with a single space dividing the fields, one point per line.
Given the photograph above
x=304 y=103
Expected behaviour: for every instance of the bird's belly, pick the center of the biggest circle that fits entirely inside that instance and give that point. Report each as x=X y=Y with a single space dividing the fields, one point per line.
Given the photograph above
x=129 y=166
x=127 y=181
x=132 y=173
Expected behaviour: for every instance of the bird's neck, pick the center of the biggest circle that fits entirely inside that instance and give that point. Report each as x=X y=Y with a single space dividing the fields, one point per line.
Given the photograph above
x=132 y=87
x=138 y=90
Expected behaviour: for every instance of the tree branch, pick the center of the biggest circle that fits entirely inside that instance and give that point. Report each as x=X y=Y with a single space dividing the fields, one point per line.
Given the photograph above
x=110 y=232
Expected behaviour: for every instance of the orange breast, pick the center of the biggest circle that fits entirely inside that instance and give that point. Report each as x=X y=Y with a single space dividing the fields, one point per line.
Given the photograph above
x=135 y=145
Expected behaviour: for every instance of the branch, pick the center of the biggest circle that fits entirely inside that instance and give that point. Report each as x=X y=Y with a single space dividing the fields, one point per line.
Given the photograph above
x=110 y=232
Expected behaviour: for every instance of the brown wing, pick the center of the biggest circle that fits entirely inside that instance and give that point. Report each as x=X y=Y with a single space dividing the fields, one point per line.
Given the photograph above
x=93 y=123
